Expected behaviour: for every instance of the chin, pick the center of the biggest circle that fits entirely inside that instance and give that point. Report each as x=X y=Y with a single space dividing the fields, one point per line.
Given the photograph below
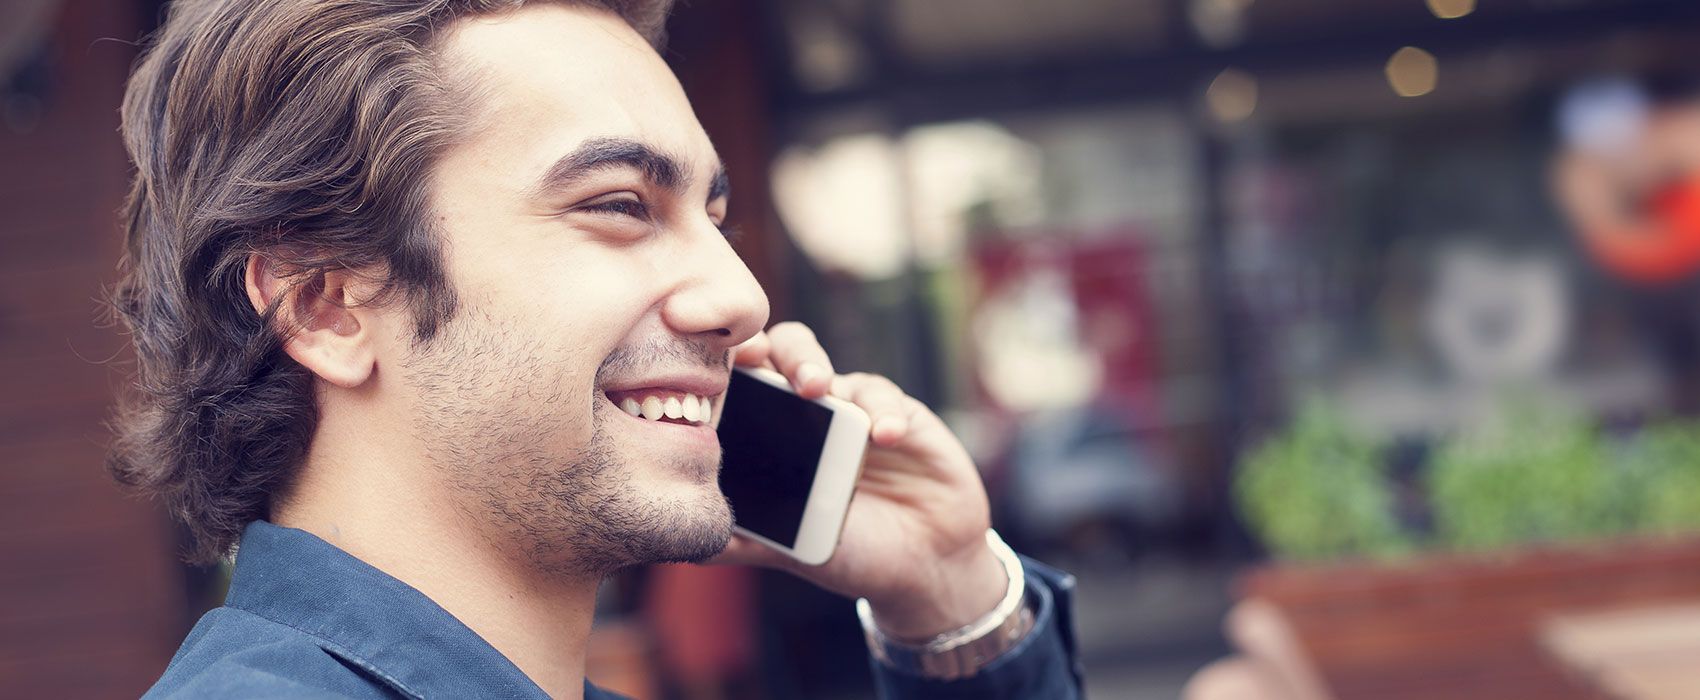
x=695 y=530
x=684 y=498
x=616 y=503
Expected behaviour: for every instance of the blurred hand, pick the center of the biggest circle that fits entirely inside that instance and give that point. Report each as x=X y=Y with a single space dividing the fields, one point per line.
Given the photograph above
x=1270 y=664
x=914 y=541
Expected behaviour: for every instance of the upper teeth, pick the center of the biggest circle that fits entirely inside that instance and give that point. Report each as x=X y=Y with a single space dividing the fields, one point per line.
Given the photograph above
x=690 y=407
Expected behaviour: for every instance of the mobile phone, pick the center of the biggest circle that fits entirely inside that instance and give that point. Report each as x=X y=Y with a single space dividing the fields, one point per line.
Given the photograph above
x=789 y=465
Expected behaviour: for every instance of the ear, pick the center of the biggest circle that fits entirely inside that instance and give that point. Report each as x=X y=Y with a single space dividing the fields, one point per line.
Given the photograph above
x=334 y=333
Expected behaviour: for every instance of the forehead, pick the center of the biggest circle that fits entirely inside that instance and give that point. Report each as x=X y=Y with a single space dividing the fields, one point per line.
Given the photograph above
x=550 y=76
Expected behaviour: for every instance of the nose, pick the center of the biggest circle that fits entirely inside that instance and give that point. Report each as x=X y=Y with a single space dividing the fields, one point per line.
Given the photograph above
x=717 y=301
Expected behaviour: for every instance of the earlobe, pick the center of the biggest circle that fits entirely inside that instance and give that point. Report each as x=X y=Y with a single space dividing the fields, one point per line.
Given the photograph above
x=321 y=318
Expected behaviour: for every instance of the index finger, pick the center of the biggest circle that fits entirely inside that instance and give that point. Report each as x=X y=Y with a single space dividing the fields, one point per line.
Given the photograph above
x=798 y=355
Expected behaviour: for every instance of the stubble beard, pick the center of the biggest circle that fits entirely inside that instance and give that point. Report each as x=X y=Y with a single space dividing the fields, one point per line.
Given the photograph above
x=489 y=415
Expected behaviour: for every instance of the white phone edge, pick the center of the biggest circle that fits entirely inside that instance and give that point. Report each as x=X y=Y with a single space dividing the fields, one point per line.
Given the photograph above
x=835 y=477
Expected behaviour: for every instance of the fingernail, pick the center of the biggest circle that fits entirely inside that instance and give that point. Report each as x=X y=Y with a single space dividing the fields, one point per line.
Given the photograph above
x=807 y=371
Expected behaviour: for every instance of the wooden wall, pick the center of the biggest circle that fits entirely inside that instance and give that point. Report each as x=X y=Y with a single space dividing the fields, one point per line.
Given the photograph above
x=90 y=596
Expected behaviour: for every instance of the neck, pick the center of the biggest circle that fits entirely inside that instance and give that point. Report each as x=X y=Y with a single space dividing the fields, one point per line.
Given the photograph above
x=375 y=511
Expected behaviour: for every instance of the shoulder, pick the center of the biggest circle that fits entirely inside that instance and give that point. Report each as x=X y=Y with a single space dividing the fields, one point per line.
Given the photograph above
x=235 y=653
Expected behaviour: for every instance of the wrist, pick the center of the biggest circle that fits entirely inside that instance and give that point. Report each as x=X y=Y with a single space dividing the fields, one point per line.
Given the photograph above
x=967 y=649
x=961 y=589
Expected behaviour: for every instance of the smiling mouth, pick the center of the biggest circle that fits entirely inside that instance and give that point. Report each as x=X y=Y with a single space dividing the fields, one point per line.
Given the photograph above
x=665 y=406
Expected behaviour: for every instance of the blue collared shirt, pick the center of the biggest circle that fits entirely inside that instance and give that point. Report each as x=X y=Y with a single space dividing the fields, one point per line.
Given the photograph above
x=304 y=619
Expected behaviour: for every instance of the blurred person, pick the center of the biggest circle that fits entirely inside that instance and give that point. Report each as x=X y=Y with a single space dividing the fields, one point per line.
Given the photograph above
x=391 y=268
x=1627 y=175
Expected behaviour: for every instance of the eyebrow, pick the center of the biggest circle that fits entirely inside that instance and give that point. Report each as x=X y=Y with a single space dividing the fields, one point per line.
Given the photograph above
x=658 y=168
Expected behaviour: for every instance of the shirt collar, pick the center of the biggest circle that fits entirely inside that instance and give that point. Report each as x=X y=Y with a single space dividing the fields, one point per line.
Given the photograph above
x=369 y=618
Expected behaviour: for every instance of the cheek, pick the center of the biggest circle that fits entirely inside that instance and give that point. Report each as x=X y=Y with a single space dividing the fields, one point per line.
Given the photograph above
x=570 y=303
x=594 y=304
x=582 y=314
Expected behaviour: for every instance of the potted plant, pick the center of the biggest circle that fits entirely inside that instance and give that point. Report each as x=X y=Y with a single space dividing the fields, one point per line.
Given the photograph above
x=1534 y=513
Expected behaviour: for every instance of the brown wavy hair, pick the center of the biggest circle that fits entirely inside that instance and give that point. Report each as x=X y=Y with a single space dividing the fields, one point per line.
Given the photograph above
x=303 y=131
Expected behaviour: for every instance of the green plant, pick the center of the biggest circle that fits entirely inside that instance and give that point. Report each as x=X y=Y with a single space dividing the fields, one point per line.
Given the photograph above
x=1319 y=491
x=1661 y=475
x=1530 y=472
x=1534 y=474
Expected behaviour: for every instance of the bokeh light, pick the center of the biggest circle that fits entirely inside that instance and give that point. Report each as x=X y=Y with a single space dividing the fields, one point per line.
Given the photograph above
x=1232 y=96
x=1412 y=72
x=1451 y=9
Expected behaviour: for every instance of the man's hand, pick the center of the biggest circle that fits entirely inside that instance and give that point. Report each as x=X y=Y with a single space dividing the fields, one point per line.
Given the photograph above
x=914 y=540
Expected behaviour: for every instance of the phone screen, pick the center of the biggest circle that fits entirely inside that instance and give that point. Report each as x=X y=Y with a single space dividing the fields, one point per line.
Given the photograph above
x=771 y=442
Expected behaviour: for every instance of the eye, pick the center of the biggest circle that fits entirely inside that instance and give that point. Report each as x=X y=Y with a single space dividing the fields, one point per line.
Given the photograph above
x=618 y=204
x=717 y=216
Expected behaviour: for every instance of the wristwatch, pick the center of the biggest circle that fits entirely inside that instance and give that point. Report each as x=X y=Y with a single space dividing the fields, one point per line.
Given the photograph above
x=962 y=652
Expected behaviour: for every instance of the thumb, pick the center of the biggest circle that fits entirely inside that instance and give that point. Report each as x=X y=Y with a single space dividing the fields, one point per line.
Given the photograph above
x=747 y=552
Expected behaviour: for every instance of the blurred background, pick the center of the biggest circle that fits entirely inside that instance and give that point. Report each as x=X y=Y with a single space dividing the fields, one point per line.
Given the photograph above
x=1348 y=349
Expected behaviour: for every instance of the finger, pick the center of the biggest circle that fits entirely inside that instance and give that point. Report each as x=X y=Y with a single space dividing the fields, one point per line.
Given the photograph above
x=743 y=551
x=888 y=408
x=797 y=354
x=753 y=352
x=934 y=444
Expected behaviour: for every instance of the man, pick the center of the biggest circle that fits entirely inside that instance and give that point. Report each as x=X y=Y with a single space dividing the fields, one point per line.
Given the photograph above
x=392 y=266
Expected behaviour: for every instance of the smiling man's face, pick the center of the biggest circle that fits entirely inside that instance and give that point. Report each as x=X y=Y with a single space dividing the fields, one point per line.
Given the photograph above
x=581 y=216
